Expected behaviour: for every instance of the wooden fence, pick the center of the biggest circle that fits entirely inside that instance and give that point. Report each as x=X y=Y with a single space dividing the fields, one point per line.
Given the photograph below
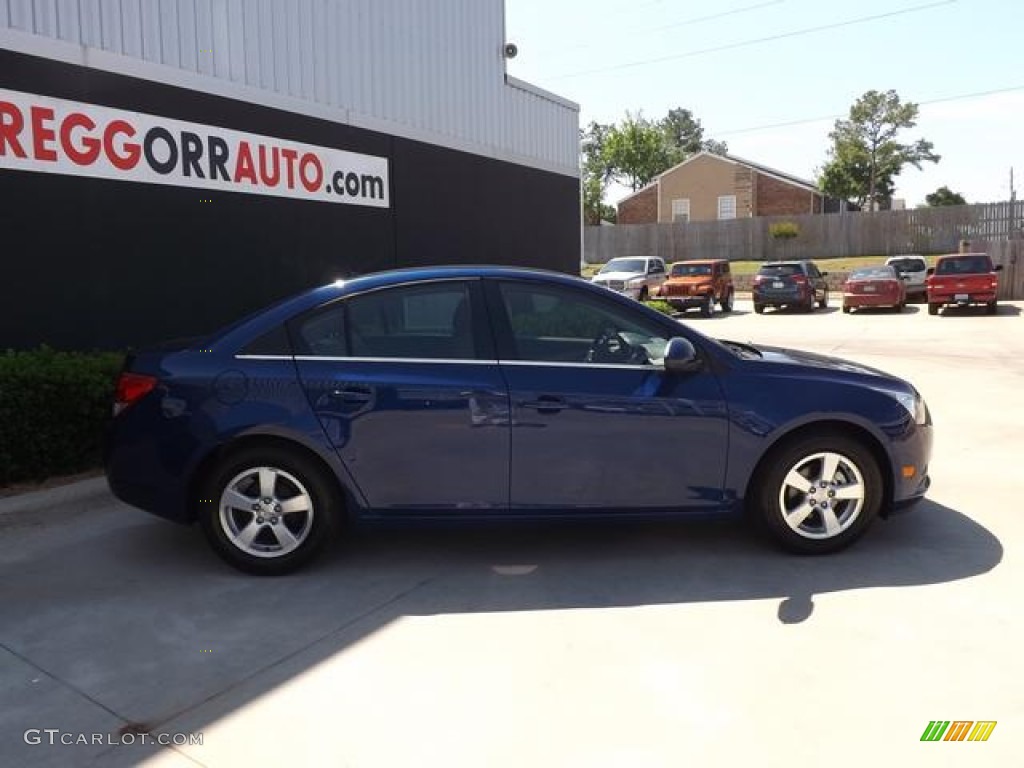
x=1009 y=253
x=885 y=233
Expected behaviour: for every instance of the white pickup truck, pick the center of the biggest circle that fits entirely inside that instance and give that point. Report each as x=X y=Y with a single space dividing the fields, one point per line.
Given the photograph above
x=634 y=276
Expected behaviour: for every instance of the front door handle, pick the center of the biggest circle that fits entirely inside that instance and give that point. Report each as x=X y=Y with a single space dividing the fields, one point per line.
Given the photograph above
x=547 y=404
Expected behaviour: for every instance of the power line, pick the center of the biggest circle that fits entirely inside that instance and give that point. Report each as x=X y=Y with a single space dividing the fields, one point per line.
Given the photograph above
x=757 y=40
x=673 y=25
x=806 y=120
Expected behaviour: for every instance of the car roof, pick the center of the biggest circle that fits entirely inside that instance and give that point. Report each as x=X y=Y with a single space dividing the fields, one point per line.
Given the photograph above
x=791 y=262
x=700 y=261
x=959 y=255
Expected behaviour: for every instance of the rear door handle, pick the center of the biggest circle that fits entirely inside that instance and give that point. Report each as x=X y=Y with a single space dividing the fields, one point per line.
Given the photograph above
x=547 y=404
x=353 y=395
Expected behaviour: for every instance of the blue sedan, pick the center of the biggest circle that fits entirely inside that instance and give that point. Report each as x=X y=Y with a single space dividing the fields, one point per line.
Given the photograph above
x=500 y=393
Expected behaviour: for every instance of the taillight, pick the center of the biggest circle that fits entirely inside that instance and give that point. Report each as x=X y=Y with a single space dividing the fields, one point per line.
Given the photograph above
x=130 y=388
x=800 y=279
x=758 y=279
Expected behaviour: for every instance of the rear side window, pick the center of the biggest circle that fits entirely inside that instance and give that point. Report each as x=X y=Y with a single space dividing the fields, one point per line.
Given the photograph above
x=273 y=343
x=322 y=334
x=428 y=321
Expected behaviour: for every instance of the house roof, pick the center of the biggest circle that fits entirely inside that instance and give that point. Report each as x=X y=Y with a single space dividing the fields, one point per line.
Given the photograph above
x=786 y=177
x=631 y=195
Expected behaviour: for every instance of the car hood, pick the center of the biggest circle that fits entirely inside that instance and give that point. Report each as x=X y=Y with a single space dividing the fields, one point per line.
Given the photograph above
x=618 y=275
x=823 y=363
x=691 y=279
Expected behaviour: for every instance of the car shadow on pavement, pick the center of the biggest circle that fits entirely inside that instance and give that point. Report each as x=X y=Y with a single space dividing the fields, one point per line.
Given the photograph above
x=144 y=619
x=1004 y=309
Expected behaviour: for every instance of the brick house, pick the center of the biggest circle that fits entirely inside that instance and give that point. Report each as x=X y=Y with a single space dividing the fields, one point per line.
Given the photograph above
x=708 y=187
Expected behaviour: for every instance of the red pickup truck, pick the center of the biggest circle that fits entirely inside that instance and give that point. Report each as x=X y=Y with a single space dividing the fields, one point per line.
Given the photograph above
x=963 y=279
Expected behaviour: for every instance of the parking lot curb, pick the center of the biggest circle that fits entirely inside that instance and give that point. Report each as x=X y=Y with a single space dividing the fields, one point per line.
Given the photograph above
x=80 y=495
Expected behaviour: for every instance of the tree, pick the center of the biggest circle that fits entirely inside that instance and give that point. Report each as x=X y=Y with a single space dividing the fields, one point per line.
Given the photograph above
x=684 y=136
x=596 y=174
x=866 y=157
x=944 y=196
x=636 y=151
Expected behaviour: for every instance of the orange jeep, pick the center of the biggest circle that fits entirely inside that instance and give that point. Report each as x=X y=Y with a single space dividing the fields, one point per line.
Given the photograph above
x=699 y=283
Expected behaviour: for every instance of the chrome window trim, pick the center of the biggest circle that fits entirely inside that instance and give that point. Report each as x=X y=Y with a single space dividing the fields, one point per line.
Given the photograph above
x=450 y=361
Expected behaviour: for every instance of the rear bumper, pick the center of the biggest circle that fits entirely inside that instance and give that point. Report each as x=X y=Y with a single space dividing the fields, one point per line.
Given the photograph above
x=972 y=297
x=774 y=298
x=870 y=300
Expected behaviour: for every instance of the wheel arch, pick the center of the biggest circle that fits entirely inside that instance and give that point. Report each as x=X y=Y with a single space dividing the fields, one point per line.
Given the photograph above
x=840 y=427
x=208 y=464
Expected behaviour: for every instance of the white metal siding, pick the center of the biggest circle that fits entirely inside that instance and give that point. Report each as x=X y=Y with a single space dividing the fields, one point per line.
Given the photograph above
x=430 y=69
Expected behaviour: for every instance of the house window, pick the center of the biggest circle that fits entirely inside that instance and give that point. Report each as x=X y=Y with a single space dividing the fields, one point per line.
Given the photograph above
x=681 y=209
x=727 y=207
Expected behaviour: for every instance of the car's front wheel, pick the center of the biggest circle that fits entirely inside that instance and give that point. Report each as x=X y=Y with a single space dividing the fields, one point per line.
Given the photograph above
x=818 y=494
x=726 y=302
x=268 y=510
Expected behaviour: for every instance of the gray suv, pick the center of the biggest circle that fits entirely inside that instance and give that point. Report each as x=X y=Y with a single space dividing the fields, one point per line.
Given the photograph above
x=913 y=269
x=798 y=284
x=639 y=277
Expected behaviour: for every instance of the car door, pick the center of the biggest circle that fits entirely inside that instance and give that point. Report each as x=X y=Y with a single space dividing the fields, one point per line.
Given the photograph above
x=597 y=423
x=405 y=383
x=818 y=282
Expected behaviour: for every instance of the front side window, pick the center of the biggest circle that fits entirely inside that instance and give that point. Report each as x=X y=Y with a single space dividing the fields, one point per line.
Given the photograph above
x=554 y=324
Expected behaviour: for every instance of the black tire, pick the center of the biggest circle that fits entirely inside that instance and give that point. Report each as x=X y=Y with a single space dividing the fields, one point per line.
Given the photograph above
x=846 y=310
x=809 y=304
x=726 y=302
x=769 y=489
x=708 y=307
x=823 y=304
x=759 y=309
x=643 y=294
x=293 y=472
x=992 y=307
x=933 y=308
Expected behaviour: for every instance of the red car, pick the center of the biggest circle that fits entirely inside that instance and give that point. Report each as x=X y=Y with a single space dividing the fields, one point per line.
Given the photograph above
x=963 y=279
x=874 y=287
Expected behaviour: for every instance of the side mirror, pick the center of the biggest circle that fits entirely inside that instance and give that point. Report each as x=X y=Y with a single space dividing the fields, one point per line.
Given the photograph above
x=997 y=268
x=681 y=356
x=930 y=271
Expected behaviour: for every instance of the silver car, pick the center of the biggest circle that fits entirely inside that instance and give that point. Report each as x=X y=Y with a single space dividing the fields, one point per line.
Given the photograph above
x=913 y=269
x=639 y=277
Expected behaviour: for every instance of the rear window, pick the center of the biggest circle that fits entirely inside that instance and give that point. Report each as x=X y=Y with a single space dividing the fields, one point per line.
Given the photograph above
x=873 y=273
x=780 y=270
x=908 y=265
x=964 y=265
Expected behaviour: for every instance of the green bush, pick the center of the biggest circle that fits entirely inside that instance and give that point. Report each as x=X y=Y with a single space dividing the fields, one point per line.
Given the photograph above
x=54 y=407
x=662 y=306
x=784 y=230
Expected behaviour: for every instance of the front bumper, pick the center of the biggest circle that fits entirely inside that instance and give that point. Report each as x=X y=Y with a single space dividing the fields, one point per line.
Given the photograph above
x=688 y=302
x=913 y=450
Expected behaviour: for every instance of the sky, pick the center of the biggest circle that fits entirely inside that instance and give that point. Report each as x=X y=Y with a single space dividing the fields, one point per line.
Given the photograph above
x=775 y=100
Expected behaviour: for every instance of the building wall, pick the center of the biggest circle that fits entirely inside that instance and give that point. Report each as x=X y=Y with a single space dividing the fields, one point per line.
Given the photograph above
x=93 y=262
x=777 y=198
x=641 y=208
x=429 y=71
x=701 y=180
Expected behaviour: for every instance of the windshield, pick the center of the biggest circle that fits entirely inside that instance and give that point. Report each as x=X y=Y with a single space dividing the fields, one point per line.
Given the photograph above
x=624 y=265
x=908 y=265
x=964 y=265
x=873 y=273
x=687 y=270
x=780 y=270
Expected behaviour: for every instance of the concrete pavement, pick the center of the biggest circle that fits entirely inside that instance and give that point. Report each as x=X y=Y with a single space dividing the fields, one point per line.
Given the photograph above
x=621 y=645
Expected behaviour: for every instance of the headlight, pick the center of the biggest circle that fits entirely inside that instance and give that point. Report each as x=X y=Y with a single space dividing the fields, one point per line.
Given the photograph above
x=914 y=404
x=635 y=280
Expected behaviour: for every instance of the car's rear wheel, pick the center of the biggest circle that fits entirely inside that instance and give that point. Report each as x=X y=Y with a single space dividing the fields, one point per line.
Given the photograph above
x=726 y=302
x=808 y=305
x=846 y=310
x=823 y=304
x=759 y=309
x=933 y=308
x=268 y=510
x=818 y=494
x=993 y=307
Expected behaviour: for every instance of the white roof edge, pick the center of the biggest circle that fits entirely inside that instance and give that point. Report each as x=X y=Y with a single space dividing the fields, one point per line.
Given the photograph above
x=522 y=85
